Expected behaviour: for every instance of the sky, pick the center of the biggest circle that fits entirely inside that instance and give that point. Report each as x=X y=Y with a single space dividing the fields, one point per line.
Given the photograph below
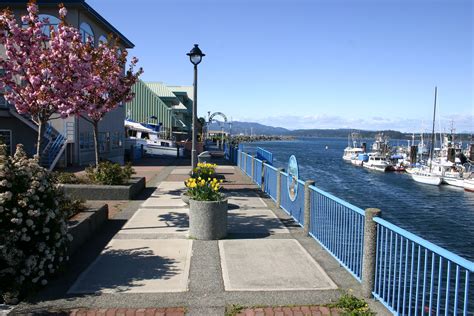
x=364 y=64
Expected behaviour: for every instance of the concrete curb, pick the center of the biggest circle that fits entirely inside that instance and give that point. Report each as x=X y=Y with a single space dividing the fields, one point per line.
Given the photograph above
x=87 y=224
x=105 y=192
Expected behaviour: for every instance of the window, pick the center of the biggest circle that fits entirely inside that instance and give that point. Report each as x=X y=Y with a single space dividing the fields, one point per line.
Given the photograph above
x=3 y=102
x=6 y=139
x=103 y=39
x=145 y=135
x=86 y=141
x=86 y=33
x=117 y=140
x=48 y=21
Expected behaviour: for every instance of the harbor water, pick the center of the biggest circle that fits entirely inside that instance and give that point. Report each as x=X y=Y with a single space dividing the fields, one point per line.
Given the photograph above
x=443 y=215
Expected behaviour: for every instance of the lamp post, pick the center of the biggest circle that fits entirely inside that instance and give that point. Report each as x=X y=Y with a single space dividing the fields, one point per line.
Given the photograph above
x=195 y=56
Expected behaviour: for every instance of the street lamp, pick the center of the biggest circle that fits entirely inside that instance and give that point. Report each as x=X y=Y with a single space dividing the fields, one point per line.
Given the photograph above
x=195 y=56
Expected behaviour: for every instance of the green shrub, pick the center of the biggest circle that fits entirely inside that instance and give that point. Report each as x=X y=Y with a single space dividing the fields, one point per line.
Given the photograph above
x=353 y=306
x=110 y=173
x=67 y=178
x=72 y=207
x=33 y=227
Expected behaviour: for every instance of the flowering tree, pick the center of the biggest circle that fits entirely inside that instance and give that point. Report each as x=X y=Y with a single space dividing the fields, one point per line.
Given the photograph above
x=110 y=85
x=45 y=70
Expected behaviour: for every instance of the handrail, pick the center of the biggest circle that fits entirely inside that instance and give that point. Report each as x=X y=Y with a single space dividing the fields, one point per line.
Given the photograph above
x=338 y=200
x=270 y=167
x=426 y=244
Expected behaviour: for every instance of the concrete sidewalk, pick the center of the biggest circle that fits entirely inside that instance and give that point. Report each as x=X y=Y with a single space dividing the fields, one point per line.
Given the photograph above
x=148 y=261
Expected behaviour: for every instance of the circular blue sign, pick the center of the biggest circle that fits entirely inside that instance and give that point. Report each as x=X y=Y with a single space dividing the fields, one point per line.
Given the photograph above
x=292 y=180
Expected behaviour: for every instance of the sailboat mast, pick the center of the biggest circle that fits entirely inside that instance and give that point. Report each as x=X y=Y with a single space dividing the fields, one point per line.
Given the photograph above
x=432 y=131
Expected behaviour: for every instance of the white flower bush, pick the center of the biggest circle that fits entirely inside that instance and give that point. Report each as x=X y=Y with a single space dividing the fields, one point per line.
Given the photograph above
x=33 y=228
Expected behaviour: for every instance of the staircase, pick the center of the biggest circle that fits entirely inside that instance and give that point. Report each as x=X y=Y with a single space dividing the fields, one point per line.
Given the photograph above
x=56 y=146
x=56 y=141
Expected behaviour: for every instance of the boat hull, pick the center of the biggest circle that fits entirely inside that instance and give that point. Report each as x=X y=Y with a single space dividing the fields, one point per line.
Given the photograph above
x=426 y=179
x=468 y=185
x=155 y=150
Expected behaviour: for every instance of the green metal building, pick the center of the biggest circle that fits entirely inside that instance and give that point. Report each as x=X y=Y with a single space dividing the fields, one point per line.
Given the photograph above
x=156 y=103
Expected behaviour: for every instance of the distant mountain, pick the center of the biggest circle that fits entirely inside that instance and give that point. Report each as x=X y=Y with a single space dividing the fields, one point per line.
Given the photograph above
x=250 y=128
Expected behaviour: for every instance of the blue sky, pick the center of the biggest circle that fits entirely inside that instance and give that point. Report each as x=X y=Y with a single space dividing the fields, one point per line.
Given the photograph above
x=364 y=64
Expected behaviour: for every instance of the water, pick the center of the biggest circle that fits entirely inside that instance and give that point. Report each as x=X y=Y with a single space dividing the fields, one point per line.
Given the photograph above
x=443 y=215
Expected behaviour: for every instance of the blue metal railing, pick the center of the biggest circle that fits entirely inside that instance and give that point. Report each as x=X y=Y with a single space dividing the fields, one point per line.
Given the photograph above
x=258 y=169
x=248 y=165
x=412 y=275
x=416 y=277
x=54 y=149
x=294 y=208
x=339 y=227
x=270 y=184
x=263 y=154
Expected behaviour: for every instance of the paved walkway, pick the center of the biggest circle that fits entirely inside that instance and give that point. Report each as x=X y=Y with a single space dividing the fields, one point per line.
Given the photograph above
x=147 y=261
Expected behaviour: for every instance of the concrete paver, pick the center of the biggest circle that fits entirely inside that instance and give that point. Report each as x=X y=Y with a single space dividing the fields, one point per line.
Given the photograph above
x=138 y=266
x=270 y=265
x=254 y=221
x=158 y=221
x=184 y=171
x=246 y=201
x=158 y=199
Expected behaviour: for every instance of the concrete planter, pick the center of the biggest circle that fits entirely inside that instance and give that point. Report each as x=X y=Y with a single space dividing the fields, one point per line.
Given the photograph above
x=85 y=224
x=207 y=219
x=105 y=192
x=185 y=198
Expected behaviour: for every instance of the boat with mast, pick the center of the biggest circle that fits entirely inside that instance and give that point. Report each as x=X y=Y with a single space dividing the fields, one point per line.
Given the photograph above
x=424 y=174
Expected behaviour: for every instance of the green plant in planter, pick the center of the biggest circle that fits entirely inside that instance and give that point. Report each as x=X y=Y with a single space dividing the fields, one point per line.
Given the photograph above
x=204 y=170
x=201 y=189
x=109 y=173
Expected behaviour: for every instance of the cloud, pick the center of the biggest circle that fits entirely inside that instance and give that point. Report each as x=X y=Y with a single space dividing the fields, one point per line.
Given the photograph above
x=463 y=123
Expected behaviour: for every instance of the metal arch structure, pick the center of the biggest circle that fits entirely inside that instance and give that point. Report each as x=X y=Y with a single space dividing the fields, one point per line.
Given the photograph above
x=218 y=114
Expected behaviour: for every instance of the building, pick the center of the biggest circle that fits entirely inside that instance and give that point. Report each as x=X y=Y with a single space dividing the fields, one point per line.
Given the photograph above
x=70 y=141
x=169 y=107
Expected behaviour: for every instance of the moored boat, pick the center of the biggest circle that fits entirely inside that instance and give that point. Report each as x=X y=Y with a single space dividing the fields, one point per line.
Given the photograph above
x=426 y=177
x=377 y=162
x=468 y=184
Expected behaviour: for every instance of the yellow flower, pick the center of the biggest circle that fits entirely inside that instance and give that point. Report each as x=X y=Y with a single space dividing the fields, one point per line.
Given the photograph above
x=221 y=181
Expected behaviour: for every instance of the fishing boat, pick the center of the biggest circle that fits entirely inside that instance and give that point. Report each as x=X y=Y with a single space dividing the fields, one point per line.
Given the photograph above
x=138 y=134
x=378 y=162
x=352 y=150
x=425 y=174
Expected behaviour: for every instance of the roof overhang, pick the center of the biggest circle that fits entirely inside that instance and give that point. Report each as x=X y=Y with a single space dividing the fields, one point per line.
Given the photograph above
x=81 y=3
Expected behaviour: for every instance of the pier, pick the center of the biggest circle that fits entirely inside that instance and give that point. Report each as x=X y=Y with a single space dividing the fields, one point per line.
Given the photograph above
x=407 y=274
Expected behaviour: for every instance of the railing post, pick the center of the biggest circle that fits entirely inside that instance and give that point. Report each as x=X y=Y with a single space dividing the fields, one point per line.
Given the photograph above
x=252 y=173
x=263 y=176
x=307 y=206
x=244 y=158
x=278 y=197
x=370 y=248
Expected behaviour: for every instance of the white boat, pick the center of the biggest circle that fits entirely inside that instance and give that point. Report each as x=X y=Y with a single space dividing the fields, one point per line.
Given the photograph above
x=422 y=175
x=351 y=153
x=378 y=162
x=425 y=174
x=469 y=184
x=139 y=134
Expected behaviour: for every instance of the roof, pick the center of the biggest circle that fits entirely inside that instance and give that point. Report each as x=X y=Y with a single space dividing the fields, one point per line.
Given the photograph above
x=160 y=90
x=85 y=6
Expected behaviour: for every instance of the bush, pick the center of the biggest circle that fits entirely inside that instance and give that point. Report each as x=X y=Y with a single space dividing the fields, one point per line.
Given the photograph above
x=72 y=207
x=353 y=306
x=33 y=227
x=110 y=173
x=68 y=178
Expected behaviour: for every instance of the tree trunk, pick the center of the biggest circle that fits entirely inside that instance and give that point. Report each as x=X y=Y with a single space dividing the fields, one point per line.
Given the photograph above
x=96 y=142
x=40 y=140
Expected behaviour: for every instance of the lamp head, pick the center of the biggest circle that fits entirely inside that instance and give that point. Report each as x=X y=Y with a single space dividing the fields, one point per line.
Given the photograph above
x=195 y=55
